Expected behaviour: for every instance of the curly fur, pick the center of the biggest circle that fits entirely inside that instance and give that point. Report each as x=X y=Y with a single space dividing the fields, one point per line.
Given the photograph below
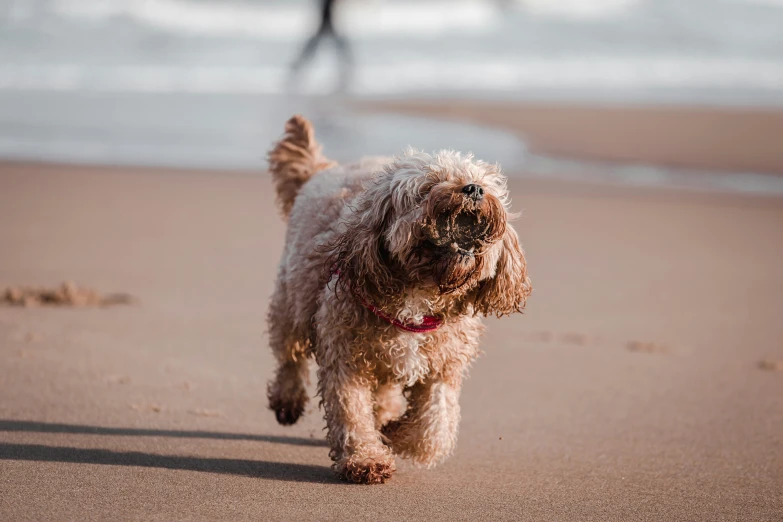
x=402 y=234
x=294 y=161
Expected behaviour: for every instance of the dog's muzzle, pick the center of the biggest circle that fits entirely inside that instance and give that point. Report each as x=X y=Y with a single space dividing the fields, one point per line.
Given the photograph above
x=455 y=242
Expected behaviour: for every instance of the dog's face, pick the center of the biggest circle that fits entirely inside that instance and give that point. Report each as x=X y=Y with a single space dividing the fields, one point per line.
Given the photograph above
x=438 y=222
x=448 y=217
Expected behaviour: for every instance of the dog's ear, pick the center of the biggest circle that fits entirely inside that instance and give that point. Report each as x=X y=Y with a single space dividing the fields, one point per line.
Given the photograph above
x=508 y=290
x=359 y=256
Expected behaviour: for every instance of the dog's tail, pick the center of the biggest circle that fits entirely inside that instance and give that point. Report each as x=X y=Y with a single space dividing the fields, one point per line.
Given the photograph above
x=294 y=160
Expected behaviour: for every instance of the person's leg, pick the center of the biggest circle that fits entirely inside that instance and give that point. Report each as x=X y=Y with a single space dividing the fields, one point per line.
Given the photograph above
x=345 y=58
x=307 y=51
x=325 y=28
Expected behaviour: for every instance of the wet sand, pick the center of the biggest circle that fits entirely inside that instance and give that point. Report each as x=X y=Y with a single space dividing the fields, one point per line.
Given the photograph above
x=710 y=138
x=641 y=384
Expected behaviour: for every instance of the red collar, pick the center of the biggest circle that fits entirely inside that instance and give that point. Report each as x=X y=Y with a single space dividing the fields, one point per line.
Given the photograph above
x=429 y=323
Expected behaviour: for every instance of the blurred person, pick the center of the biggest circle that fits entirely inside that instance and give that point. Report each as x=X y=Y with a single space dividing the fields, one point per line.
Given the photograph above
x=325 y=29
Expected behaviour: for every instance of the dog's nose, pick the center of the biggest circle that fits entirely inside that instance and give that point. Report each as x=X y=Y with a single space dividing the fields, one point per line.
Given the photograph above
x=473 y=191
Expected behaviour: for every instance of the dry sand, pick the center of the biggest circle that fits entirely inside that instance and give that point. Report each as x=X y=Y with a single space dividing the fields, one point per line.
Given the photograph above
x=642 y=383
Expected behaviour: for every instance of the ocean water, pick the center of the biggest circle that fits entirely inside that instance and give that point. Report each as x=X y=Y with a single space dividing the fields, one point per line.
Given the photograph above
x=203 y=82
x=698 y=51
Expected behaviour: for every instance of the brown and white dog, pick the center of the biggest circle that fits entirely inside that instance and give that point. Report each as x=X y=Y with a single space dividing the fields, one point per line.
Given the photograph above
x=388 y=264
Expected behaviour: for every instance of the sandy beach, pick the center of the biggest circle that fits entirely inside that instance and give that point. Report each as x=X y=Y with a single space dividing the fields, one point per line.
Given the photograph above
x=642 y=383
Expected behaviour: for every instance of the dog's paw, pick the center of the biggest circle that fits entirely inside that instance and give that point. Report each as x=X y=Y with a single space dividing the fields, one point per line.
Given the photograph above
x=288 y=416
x=288 y=410
x=366 y=471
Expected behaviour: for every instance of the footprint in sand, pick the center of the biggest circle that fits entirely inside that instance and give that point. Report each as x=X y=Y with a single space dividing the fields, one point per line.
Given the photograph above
x=770 y=365
x=566 y=338
x=576 y=339
x=67 y=294
x=32 y=337
x=154 y=408
x=544 y=337
x=116 y=379
x=580 y=339
x=205 y=413
x=647 y=347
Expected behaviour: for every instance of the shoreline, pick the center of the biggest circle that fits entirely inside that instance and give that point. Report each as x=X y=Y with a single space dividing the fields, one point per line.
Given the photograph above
x=711 y=150
x=737 y=139
x=548 y=185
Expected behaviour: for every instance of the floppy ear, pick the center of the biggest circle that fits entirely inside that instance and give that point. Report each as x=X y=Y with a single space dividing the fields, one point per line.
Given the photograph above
x=359 y=255
x=508 y=290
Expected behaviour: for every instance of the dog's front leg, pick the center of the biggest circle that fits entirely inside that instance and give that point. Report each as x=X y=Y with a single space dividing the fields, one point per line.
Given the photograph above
x=358 y=453
x=427 y=433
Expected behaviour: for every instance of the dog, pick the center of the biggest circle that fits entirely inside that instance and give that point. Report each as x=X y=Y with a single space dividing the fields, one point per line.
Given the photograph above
x=388 y=265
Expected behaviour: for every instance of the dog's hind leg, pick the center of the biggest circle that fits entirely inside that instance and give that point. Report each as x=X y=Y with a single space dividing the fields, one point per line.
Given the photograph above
x=286 y=392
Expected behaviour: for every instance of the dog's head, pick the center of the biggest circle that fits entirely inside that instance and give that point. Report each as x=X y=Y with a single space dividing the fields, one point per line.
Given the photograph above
x=437 y=222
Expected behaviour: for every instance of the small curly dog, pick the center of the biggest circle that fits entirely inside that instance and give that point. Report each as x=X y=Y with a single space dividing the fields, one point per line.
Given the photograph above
x=388 y=264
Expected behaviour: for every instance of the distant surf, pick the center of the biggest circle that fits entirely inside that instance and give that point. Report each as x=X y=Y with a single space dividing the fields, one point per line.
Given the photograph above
x=700 y=51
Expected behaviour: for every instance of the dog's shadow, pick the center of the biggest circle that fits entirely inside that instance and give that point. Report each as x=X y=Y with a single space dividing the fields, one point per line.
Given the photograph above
x=242 y=467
